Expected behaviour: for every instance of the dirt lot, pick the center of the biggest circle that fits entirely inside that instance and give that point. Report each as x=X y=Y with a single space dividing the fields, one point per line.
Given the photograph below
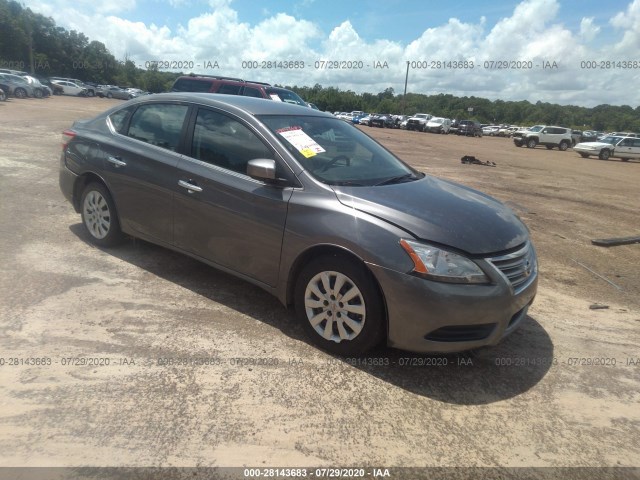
x=563 y=391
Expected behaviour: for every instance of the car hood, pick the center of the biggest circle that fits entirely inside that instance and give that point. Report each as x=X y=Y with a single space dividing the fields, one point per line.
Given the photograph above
x=441 y=212
x=593 y=145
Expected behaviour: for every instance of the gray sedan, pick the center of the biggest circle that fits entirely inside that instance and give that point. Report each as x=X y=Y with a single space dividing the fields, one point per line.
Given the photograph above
x=311 y=209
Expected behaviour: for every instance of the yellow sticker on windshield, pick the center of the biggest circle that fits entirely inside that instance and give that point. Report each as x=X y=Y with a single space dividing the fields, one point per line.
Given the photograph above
x=302 y=142
x=307 y=152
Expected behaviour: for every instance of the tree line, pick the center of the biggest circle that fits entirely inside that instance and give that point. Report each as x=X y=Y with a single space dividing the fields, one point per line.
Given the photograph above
x=34 y=43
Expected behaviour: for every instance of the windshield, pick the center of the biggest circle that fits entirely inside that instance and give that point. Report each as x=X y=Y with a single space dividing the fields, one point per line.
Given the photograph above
x=436 y=120
x=611 y=140
x=286 y=96
x=337 y=153
x=537 y=128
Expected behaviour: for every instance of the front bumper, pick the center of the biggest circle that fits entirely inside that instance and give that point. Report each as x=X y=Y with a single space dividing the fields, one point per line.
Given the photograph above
x=427 y=316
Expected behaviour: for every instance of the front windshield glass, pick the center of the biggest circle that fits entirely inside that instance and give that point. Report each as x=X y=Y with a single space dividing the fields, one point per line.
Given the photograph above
x=336 y=152
x=611 y=140
x=437 y=120
x=537 y=128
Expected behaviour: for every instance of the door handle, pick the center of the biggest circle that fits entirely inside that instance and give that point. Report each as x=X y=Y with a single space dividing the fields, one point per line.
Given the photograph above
x=116 y=161
x=189 y=186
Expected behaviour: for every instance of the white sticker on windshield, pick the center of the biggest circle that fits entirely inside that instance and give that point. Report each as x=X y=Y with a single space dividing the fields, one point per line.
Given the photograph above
x=302 y=142
x=274 y=96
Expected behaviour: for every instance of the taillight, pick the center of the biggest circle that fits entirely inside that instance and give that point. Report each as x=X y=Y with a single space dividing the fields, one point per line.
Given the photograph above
x=67 y=136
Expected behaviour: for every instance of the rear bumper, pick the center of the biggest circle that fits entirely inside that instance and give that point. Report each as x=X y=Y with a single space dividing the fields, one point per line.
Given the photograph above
x=67 y=180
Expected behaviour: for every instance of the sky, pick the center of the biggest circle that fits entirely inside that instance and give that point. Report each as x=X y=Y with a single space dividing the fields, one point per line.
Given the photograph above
x=560 y=51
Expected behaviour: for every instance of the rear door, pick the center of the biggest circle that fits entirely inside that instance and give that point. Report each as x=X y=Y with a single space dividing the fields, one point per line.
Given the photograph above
x=222 y=214
x=140 y=167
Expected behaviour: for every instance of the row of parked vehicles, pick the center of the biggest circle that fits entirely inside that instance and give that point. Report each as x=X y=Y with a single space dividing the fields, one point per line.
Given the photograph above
x=23 y=85
x=421 y=122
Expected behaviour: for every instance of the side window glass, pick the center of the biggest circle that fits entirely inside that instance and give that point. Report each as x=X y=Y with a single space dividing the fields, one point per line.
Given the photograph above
x=158 y=124
x=225 y=142
x=636 y=142
x=229 y=89
x=119 y=120
x=251 y=92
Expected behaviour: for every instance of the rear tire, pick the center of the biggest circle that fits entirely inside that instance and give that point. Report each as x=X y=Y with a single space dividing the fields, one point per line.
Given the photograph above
x=563 y=146
x=339 y=305
x=20 y=93
x=37 y=93
x=584 y=155
x=549 y=147
x=99 y=216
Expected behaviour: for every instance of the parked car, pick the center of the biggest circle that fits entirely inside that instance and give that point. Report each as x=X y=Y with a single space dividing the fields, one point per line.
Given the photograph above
x=401 y=121
x=90 y=88
x=366 y=119
x=608 y=147
x=16 y=86
x=236 y=86
x=310 y=209
x=112 y=91
x=548 y=136
x=356 y=119
x=70 y=88
x=419 y=122
x=438 y=125
x=382 y=120
x=469 y=128
x=491 y=130
x=39 y=90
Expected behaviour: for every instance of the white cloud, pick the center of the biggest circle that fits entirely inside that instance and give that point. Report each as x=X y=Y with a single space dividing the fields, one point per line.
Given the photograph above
x=588 y=29
x=535 y=31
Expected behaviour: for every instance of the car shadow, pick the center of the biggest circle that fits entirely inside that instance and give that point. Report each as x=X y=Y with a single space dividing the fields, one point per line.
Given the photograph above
x=477 y=377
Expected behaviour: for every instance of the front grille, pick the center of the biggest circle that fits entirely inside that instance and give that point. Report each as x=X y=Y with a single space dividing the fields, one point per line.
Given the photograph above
x=519 y=267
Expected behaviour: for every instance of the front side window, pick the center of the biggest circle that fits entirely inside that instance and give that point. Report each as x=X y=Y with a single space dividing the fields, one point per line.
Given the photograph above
x=158 y=124
x=225 y=142
x=337 y=153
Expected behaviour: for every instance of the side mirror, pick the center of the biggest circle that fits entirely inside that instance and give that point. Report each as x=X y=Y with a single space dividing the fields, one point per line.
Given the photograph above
x=262 y=169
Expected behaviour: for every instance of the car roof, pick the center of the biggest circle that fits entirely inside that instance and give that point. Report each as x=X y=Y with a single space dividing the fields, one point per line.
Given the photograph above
x=252 y=105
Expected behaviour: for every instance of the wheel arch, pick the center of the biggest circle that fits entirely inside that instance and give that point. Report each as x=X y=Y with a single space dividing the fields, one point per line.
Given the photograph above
x=322 y=250
x=81 y=183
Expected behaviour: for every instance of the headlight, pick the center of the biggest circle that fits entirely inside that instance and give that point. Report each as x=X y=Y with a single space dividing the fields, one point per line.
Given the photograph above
x=442 y=265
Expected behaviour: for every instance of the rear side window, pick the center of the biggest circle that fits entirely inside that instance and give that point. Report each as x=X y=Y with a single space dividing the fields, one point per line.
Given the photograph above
x=191 y=85
x=158 y=124
x=227 y=89
x=120 y=119
x=223 y=141
x=251 y=92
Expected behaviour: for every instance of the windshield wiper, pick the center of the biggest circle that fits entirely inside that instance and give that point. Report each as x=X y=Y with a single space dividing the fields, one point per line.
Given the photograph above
x=398 y=179
x=347 y=183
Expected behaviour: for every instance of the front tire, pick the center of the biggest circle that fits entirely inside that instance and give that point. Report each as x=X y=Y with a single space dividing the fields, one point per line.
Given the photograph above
x=99 y=216
x=20 y=93
x=604 y=154
x=339 y=305
x=584 y=155
x=531 y=143
x=109 y=95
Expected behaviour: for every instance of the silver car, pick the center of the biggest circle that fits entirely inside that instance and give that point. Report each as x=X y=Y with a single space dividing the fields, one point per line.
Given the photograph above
x=308 y=207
